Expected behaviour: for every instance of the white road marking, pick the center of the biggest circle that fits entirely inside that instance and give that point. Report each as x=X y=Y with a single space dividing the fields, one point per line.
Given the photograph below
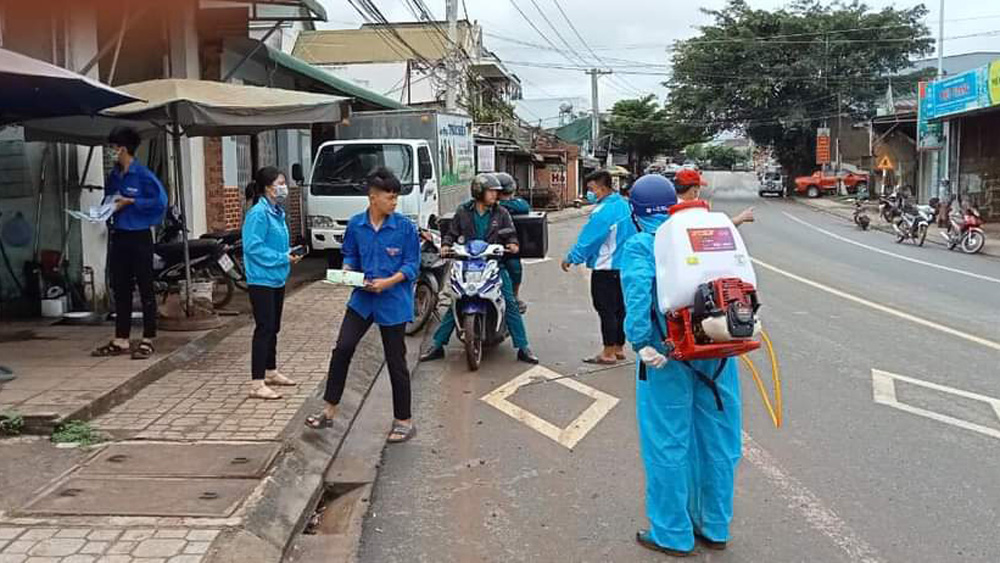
x=533 y=261
x=892 y=254
x=568 y=437
x=882 y=308
x=884 y=393
x=799 y=497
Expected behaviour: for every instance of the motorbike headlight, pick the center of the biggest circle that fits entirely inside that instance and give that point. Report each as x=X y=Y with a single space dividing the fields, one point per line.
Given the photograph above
x=320 y=222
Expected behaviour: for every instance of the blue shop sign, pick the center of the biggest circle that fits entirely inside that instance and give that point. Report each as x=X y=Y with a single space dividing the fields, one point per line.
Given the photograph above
x=960 y=93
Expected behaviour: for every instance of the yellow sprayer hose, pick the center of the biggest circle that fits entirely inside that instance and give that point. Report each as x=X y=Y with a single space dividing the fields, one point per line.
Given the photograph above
x=773 y=409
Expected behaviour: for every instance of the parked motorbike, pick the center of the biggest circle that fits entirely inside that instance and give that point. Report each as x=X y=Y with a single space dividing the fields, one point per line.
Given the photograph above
x=914 y=221
x=427 y=289
x=233 y=239
x=890 y=207
x=477 y=298
x=861 y=218
x=965 y=229
x=210 y=261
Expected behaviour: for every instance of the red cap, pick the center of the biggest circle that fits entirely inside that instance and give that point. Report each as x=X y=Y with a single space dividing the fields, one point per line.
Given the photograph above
x=688 y=177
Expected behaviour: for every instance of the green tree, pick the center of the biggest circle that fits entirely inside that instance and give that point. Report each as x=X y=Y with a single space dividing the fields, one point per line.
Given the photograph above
x=644 y=129
x=777 y=75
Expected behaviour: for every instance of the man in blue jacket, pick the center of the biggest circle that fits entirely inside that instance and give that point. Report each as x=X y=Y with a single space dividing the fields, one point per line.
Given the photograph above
x=386 y=247
x=140 y=202
x=600 y=247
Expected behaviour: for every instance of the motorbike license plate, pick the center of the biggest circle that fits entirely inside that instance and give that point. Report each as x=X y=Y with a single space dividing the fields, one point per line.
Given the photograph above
x=226 y=263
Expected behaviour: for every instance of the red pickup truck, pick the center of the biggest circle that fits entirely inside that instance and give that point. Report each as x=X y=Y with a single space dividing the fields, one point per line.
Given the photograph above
x=821 y=182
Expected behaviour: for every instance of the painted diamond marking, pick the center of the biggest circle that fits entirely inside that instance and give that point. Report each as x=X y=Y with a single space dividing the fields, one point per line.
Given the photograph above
x=884 y=393
x=568 y=437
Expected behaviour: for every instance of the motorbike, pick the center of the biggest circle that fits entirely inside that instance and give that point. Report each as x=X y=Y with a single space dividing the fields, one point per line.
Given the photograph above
x=233 y=239
x=427 y=288
x=965 y=229
x=477 y=298
x=914 y=221
x=210 y=261
x=861 y=218
x=889 y=207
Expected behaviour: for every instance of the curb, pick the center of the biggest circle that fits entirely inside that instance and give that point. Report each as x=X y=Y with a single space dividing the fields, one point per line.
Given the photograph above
x=843 y=213
x=285 y=503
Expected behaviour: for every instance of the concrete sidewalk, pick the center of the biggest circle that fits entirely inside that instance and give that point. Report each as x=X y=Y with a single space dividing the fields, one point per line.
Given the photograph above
x=177 y=505
x=845 y=210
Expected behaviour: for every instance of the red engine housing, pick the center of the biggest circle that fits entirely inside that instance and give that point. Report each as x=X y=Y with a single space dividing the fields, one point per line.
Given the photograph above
x=683 y=336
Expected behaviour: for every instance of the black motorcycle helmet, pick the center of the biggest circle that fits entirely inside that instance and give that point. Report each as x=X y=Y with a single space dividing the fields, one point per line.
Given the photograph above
x=507 y=182
x=483 y=182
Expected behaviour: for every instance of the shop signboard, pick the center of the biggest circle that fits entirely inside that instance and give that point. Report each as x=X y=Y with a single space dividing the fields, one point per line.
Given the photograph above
x=823 y=146
x=930 y=135
x=961 y=93
x=994 y=83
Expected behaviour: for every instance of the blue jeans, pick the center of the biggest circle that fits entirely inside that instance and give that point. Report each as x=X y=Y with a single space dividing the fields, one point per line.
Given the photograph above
x=515 y=323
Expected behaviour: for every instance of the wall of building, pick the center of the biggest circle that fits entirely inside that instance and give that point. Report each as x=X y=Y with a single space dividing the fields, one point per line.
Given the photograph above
x=978 y=163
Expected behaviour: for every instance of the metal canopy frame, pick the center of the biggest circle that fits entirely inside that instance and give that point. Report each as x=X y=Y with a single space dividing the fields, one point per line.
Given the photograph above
x=312 y=6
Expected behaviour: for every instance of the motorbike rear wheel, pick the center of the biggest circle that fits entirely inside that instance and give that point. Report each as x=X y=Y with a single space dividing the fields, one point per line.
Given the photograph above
x=472 y=327
x=223 y=287
x=973 y=242
x=424 y=304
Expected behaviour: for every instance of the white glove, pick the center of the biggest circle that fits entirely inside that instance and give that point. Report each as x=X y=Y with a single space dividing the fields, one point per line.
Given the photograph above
x=652 y=358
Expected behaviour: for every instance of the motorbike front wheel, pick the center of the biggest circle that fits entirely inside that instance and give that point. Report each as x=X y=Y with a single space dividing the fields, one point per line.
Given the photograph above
x=424 y=304
x=921 y=235
x=472 y=327
x=973 y=242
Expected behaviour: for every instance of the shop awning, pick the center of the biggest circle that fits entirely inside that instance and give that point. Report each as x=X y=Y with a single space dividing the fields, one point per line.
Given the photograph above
x=33 y=88
x=201 y=108
x=323 y=80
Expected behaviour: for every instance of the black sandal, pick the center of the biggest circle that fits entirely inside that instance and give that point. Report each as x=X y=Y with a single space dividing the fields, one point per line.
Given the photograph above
x=143 y=351
x=407 y=431
x=643 y=539
x=108 y=350
x=318 y=421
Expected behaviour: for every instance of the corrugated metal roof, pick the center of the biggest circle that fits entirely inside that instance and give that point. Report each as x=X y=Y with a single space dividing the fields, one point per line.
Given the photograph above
x=367 y=45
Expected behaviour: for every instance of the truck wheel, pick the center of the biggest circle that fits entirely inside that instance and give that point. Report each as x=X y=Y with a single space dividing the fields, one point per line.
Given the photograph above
x=812 y=192
x=473 y=341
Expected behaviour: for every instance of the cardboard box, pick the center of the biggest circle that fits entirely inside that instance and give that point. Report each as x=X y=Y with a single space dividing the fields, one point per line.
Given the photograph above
x=532 y=233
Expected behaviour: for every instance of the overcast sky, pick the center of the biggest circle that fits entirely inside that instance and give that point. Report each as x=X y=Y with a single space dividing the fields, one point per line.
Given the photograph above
x=634 y=30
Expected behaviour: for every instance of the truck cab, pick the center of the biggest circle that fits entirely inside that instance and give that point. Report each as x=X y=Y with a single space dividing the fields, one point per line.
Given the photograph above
x=336 y=188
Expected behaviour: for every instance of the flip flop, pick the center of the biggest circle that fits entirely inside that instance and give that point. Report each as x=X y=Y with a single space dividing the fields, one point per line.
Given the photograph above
x=643 y=539
x=318 y=421
x=407 y=431
x=597 y=360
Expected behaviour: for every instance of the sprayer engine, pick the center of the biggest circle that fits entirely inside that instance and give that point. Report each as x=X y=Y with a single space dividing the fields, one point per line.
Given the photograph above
x=722 y=322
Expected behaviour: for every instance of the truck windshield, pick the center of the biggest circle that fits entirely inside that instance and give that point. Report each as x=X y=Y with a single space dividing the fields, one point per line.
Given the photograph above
x=341 y=169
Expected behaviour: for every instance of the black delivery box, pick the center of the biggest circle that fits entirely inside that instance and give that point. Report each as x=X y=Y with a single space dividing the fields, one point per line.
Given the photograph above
x=532 y=233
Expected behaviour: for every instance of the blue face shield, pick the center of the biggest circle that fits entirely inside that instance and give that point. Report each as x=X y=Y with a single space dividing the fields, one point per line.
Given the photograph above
x=591 y=197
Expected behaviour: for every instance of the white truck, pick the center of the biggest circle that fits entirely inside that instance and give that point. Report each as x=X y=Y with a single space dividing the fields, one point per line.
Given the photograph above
x=430 y=152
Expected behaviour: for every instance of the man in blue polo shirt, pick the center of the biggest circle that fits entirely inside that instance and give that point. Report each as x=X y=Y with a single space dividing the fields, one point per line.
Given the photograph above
x=140 y=201
x=386 y=247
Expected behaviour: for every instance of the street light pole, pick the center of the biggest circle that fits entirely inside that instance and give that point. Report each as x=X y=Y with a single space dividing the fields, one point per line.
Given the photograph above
x=940 y=69
x=595 y=118
x=451 y=7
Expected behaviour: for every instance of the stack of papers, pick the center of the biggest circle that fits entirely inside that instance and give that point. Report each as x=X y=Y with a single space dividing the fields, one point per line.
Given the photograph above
x=345 y=277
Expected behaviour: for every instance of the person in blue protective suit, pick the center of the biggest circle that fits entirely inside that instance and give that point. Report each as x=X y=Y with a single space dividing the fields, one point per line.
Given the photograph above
x=600 y=247
x=515 y=206
x=690 y=447
x=482 y=219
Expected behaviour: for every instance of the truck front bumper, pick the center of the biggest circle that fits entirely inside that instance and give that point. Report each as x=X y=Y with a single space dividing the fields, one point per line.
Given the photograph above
x=326 y=239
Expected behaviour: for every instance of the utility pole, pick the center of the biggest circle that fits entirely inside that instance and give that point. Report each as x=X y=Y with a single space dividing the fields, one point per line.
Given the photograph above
x=944 y=154
x=595 y=118
x=451 y=7
x=941 y=42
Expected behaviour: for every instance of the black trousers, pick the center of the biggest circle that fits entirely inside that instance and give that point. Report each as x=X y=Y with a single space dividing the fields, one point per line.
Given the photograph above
x=267 y=303
x=606 y=292
x=352 y=330
x=131 y=258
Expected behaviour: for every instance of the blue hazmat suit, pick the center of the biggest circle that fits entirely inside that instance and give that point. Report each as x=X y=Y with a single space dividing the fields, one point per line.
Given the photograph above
x=690 y=449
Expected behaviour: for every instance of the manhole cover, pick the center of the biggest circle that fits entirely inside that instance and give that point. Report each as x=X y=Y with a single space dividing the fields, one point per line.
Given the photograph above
x=246 y=461
x=207 y=498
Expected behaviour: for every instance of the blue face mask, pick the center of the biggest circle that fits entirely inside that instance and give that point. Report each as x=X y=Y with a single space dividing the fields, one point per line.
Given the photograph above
x=591 y=197
x=650 y=223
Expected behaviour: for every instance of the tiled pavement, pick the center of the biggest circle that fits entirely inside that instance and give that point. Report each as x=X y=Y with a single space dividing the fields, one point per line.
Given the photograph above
x=204 y=400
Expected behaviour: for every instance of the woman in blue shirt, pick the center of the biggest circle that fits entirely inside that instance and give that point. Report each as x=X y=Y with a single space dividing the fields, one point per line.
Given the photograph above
x=268 y=262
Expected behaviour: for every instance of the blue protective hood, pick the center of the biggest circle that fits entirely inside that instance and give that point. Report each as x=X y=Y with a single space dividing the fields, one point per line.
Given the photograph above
x=650 y=223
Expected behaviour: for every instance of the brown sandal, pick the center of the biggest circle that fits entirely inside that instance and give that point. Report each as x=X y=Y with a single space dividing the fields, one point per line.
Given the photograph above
x=143 y=351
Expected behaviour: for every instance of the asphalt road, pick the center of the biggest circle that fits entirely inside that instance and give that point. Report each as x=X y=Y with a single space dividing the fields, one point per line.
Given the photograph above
x=845 y=479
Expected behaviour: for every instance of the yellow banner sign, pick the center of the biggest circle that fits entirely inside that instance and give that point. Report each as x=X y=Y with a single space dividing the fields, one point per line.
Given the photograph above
x=994 y=83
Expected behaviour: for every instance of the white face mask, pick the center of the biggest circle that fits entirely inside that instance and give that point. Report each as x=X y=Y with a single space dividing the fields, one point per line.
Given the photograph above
x=280 y=193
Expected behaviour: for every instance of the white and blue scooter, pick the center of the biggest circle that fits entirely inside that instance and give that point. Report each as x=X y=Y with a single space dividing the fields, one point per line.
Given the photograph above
x=477 y=298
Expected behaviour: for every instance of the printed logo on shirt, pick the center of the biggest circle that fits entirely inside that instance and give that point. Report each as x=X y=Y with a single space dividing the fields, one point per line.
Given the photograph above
x=130 y=191
x=393 y=250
